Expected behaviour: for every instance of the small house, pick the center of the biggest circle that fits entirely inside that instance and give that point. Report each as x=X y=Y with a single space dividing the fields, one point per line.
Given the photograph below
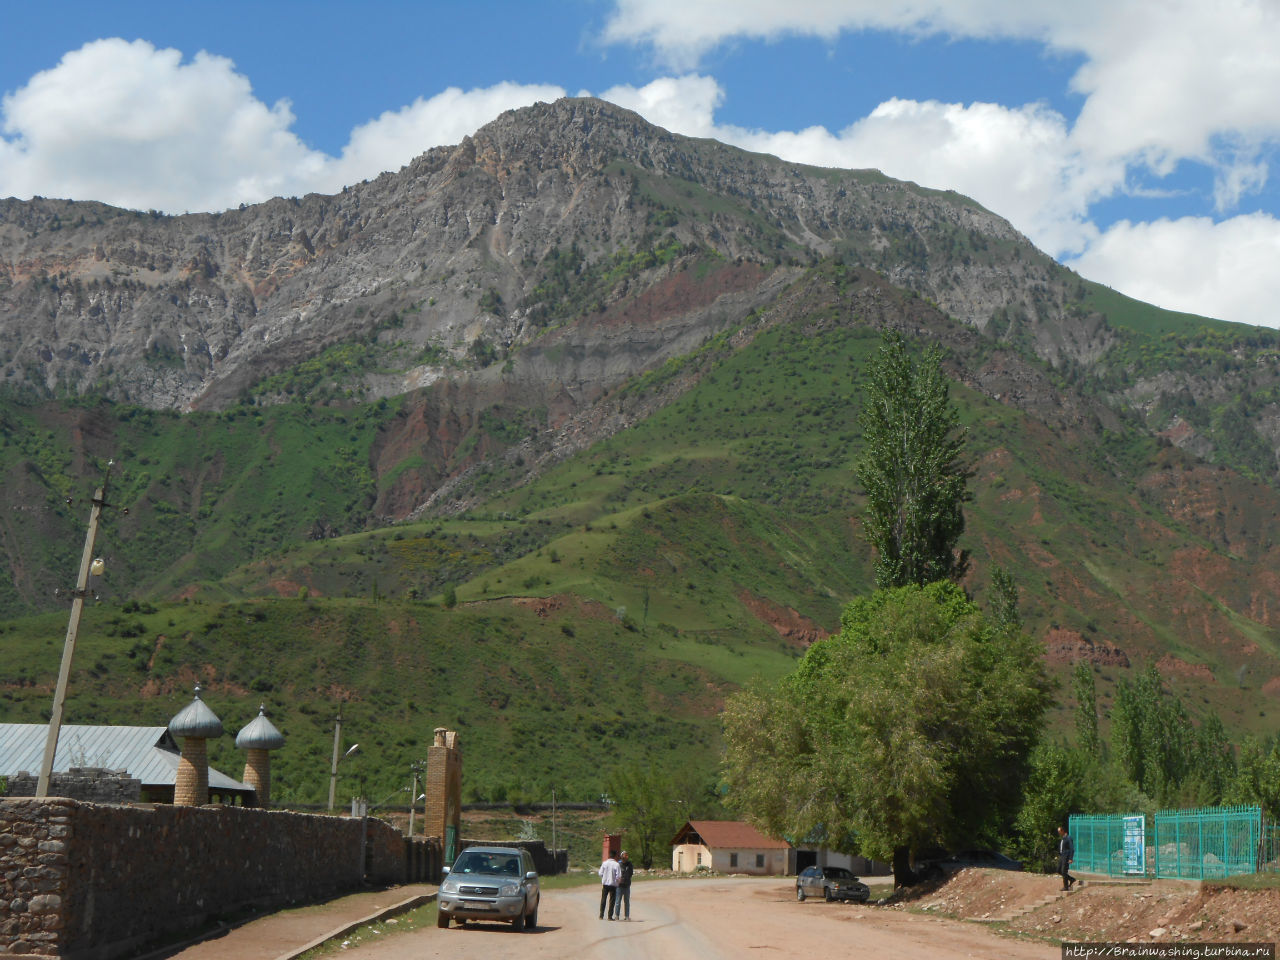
x=728 y=846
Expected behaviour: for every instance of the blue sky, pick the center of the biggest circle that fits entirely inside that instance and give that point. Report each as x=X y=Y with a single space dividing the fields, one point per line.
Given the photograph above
x=1132 y=139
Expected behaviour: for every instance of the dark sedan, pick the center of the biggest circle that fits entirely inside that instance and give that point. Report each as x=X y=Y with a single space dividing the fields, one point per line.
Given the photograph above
x=831 y=883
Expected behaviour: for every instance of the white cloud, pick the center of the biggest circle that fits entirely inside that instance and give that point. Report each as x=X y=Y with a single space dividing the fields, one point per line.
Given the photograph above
x=1164 y=83
x=1017 y=161
x=1224 y=270
x=396 y=137
x=684 y=105
x=135 y=126
x=1163 y=80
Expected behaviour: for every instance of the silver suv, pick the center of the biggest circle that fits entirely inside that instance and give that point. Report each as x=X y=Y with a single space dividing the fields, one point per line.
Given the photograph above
x=490 y=883
x=831 y=883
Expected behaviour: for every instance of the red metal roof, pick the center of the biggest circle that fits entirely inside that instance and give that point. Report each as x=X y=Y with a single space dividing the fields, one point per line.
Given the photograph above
x=728 y=835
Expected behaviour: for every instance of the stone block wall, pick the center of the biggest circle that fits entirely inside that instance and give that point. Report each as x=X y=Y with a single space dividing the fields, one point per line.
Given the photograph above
x=92 y=882
x=92 y=784
x=34 y=872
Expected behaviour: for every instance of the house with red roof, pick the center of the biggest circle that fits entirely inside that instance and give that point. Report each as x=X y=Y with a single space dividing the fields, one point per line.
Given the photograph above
x=728 y=846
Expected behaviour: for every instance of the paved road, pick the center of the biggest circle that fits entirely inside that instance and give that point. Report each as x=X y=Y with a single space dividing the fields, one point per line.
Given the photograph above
x=719 y=919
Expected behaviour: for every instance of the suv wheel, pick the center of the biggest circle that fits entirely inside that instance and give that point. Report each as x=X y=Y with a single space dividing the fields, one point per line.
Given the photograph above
x=442 y=920
x=826 y=894
x=517 y=924
x=531 y=921
x=800 y=893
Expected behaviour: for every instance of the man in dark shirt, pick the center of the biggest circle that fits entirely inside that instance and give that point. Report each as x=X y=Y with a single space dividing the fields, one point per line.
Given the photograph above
x=1066 y=853
x=627 y=868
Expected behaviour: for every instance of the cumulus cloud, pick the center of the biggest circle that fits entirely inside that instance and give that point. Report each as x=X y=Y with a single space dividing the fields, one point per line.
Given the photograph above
x=136 y=126
x=1163 y=83
x=396 y=137
x=1224 y=270
x=1017 y=161
x=1162 y=80
x=133 y=125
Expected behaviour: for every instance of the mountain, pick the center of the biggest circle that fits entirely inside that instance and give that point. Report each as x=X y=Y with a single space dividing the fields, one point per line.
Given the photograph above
x=599 y=383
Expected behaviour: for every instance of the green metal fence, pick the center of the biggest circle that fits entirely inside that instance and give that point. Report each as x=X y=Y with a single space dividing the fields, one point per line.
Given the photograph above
x=1202 y=843
x=1269 y=848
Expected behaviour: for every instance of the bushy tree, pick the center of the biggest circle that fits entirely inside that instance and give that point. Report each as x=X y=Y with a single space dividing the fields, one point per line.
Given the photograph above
x=649 y=804
x=911 y=468
x=1257 y=776
x=1162 y=751
x=909 y=729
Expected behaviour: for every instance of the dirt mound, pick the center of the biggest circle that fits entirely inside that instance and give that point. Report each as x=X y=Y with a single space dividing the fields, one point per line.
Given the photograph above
x=1157 y=911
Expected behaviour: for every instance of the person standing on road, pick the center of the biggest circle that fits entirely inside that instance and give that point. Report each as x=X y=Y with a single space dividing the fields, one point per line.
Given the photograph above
x=610 y=874
x=626 y=868
x=1066 y=853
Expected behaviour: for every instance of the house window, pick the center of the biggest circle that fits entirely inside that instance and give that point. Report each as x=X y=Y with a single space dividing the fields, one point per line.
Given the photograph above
x=733 y=859
x=759 y=859
x=699 y=858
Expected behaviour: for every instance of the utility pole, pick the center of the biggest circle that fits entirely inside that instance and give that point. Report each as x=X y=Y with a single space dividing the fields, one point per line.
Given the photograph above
x=87 y=565
x=333 y=769
x=413 y=796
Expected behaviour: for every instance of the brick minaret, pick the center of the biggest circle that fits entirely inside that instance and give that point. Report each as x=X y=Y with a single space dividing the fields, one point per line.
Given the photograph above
x=195 y=724
x=442 y=815
x=259 y=737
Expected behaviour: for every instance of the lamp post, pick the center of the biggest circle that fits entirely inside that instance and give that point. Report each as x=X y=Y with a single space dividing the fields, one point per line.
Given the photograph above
x=333 y=767
x=88 y=566
x=417 y=767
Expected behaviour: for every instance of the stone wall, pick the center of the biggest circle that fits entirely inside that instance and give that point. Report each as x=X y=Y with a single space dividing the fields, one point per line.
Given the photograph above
x=92 y=882
x=92 y=784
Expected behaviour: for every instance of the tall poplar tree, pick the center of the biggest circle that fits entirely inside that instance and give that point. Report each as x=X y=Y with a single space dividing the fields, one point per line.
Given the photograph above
x=911 y=468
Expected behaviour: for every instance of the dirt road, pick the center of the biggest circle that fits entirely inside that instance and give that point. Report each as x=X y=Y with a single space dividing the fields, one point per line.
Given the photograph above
x=718 y=919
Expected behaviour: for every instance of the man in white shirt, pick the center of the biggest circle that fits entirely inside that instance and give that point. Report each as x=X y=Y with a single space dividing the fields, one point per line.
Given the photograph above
x=610 y=873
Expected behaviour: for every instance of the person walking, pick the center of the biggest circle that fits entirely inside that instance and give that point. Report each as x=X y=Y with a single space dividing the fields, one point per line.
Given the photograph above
x=610 y=873
x=625 y=869
x=1066 y=853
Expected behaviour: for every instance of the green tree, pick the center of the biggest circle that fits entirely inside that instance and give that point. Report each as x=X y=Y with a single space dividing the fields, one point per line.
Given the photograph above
x=911 y=468
x=911 y=728
x=649 y=805
x=1004 y=599
x=1086 y=693
x=1257 y=776
x=1162 y=751
x=1151 y=734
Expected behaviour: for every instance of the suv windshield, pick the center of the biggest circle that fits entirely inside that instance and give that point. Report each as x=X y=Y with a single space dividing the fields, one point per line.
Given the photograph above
x=494 y=864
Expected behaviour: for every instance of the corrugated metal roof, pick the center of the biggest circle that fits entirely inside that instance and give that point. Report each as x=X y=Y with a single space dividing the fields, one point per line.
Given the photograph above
x=149 y=754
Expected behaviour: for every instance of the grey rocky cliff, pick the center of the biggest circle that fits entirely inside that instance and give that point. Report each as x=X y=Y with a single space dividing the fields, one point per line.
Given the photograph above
x=450 y=252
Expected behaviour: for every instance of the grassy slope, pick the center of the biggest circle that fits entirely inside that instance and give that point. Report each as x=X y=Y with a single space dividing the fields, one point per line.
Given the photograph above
x=653 y=568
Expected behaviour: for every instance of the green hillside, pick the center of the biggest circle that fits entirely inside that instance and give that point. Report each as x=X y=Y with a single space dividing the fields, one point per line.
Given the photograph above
x=596 y=612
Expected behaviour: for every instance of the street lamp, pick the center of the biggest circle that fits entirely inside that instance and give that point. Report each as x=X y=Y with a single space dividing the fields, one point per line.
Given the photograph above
x=417 y=767
x=88 y=565
x=333 y=767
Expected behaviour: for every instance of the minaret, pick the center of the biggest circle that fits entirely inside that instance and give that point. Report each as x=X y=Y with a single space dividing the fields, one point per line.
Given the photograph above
x=195 y=724
x=258 y=737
